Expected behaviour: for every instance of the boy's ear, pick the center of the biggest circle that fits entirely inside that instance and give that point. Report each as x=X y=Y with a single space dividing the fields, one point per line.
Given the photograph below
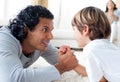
x=86 y=30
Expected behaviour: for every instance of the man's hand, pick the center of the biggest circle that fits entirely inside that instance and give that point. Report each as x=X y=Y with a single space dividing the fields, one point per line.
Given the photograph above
x=66 y=59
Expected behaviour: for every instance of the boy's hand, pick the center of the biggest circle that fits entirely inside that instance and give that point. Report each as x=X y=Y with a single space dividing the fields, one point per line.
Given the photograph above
x=66 y=59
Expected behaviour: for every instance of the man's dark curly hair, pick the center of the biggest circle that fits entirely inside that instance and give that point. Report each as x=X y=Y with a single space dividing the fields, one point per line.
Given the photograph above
x=28 y=18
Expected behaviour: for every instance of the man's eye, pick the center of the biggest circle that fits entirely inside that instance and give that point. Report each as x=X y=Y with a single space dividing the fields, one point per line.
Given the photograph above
x=45 y=29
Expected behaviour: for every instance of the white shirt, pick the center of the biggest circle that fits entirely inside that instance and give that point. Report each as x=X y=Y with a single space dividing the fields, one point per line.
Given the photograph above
x=102 y=59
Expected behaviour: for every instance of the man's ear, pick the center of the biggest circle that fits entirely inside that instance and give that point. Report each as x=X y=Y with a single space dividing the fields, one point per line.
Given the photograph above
x=86 y=30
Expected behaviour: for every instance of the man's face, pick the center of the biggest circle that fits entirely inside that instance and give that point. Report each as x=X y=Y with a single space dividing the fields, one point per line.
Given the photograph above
x=41 y=35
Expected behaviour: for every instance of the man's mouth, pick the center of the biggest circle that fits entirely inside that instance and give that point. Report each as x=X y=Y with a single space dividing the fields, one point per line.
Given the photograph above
x=45 y=43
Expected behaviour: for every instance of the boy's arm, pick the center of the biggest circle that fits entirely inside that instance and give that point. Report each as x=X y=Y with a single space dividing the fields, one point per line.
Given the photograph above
x=103 y=80
x=81 y=70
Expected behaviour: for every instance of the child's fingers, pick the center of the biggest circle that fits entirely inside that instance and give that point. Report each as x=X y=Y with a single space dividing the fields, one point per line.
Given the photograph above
x=64 y=49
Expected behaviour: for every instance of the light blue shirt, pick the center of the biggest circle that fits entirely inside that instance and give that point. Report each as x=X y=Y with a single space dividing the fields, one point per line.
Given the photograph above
x=14 y=65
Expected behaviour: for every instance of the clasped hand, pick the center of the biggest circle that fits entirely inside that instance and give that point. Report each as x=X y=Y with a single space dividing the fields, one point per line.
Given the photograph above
x=66 y=59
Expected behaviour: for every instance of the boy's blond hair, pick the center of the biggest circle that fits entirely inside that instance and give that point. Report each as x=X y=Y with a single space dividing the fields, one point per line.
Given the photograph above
x=97 y=21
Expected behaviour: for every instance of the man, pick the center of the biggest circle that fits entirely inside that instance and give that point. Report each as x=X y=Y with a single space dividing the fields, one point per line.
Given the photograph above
x=25 y=39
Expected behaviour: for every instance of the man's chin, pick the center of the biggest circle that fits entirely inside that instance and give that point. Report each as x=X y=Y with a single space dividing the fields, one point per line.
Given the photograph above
x=43 y=49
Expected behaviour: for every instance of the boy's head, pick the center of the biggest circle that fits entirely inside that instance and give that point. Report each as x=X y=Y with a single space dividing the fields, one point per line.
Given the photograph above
x=92 y=23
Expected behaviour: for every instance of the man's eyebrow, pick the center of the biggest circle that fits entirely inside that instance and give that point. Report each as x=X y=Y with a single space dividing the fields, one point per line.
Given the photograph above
x=45 y=27
x=48 y=27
